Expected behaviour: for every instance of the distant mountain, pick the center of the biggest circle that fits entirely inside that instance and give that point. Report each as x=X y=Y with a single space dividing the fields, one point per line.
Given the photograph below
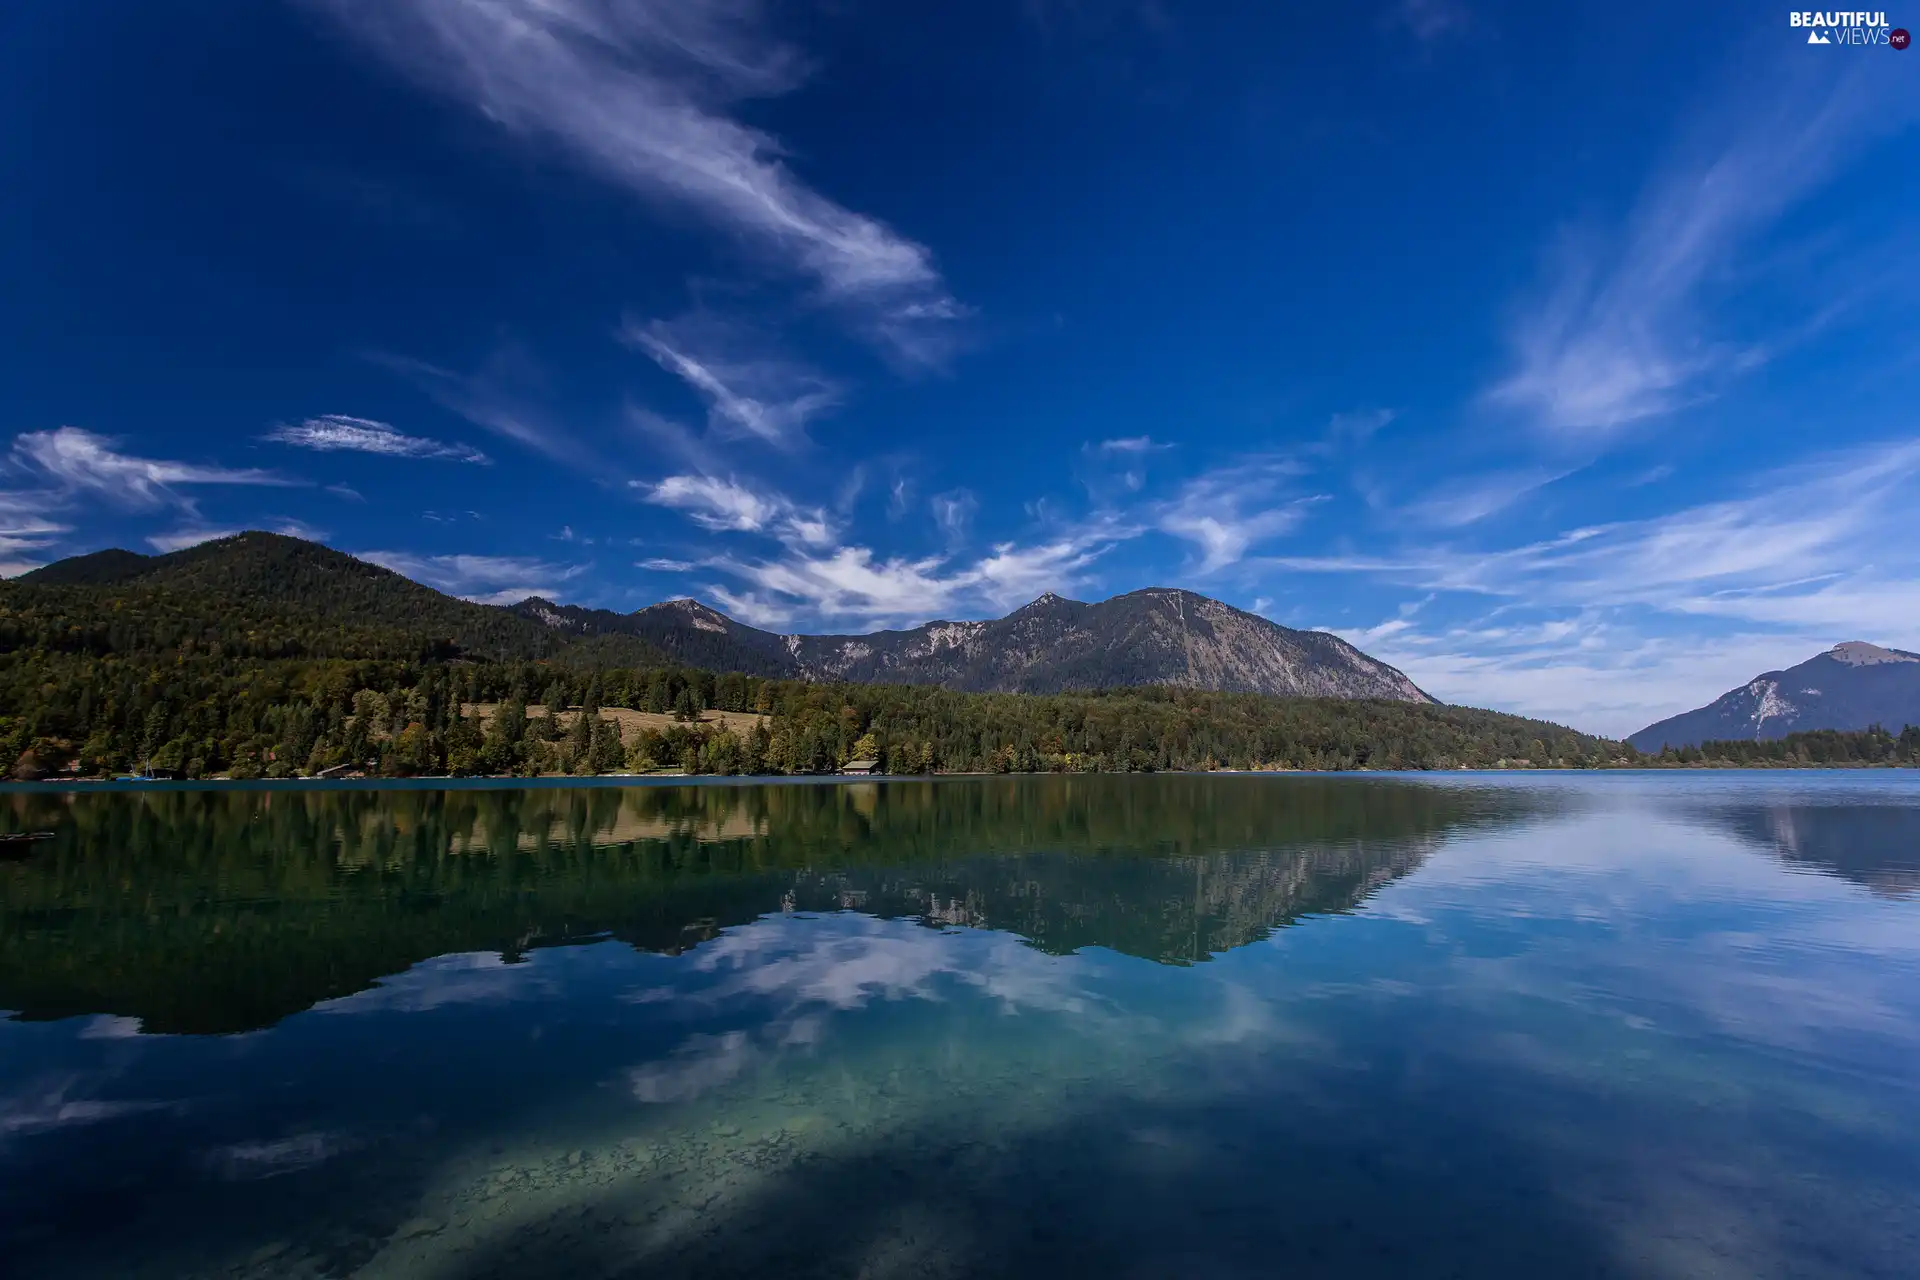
x=266 y=594
x=684 y=630
x=1157 y=636
x=1851 y=686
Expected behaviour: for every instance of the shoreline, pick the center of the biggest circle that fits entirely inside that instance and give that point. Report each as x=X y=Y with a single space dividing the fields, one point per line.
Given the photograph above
x=505 y=782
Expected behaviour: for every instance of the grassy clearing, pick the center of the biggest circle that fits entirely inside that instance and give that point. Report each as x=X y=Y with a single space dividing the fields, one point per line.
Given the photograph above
x=631 y=722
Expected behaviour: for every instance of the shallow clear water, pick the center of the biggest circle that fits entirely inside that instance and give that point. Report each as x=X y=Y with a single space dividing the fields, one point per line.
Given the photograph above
x=1551 y=1025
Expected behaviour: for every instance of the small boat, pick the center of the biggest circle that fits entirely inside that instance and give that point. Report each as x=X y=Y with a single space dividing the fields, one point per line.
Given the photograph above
x=148 y=774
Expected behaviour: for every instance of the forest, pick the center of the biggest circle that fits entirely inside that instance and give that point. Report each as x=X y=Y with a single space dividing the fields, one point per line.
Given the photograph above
x=207 y=714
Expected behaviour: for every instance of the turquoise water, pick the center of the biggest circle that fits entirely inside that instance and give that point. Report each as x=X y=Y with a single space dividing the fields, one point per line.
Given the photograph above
x=1551 y=1025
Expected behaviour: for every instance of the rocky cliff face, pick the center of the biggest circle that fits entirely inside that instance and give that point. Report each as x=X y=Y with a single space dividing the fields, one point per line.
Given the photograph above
x=1157 y=636
x=1851 y=686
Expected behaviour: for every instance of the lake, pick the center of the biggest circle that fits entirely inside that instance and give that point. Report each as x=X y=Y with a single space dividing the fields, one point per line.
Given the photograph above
x=1562 y=1025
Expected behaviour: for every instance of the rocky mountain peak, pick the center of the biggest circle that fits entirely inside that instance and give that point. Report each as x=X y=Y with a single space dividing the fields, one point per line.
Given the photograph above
x=702 y=616
x=1858 y=653
x=1047 y=603
x=1156 y=636
x=1850 y=686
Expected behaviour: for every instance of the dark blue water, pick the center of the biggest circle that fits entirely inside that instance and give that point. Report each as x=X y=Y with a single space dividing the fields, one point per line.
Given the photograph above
x=1619 y=1025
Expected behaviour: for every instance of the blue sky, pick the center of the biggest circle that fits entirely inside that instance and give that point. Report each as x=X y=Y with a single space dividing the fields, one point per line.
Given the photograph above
x=1565 y=359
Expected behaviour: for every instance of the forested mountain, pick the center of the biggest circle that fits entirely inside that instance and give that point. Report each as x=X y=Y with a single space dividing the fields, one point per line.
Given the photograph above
x=686 y=631
x=1852 y=686
x=267 y=595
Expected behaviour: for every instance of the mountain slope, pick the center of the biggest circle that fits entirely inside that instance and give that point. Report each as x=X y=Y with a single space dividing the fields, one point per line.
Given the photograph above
x=685 y=631
x=95 y=569
x=1156 y=636
x=268 y=595
x=1851 y=686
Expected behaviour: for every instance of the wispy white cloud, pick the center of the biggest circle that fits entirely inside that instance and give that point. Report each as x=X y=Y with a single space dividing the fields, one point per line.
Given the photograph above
x=336 y=432
x=662 y=564
x=639 y=93
x=953 y=511
x=1228 y=511
x=500 y=396
x=1808 y=545
x=1593 y=670
x=852 y=582
x=80 y=461
x=730 y=506
x=716 y=504
x=1610 y=627
x=1014 y=574
x=1357 y=426
x=1466 y=500
x=1430 y=20
x=748 y=392
x=1128 y=445
x=27 y=530
x=1112 y=469
x=848 y=582
x=1621 y=332
x=673 y=441
x=482 y=579
x=899 y=497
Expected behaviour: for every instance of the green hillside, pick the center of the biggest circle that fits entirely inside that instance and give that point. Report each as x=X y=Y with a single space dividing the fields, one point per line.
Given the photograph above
x=262 y=595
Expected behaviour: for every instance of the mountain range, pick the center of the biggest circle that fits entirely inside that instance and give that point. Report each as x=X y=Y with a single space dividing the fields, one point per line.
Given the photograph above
x=1155 y=636
x=1851 y=686
x=291 y=596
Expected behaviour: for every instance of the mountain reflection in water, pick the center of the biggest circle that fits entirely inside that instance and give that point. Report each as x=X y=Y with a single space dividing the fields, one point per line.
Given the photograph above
x=1876 y=846
x=224 y=911
x=1593 y=1025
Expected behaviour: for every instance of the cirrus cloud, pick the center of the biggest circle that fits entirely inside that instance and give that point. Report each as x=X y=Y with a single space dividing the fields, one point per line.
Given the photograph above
x=639 y=93
x=337 y=432
x=481 y=579
x=77 y=460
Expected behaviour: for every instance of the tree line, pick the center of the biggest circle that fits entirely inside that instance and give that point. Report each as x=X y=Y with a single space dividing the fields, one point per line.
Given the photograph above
x=199 y=714
x=1811 y=748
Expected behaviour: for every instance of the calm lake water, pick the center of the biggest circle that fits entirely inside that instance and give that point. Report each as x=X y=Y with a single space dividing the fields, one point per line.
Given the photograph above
x=1620 y=1025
